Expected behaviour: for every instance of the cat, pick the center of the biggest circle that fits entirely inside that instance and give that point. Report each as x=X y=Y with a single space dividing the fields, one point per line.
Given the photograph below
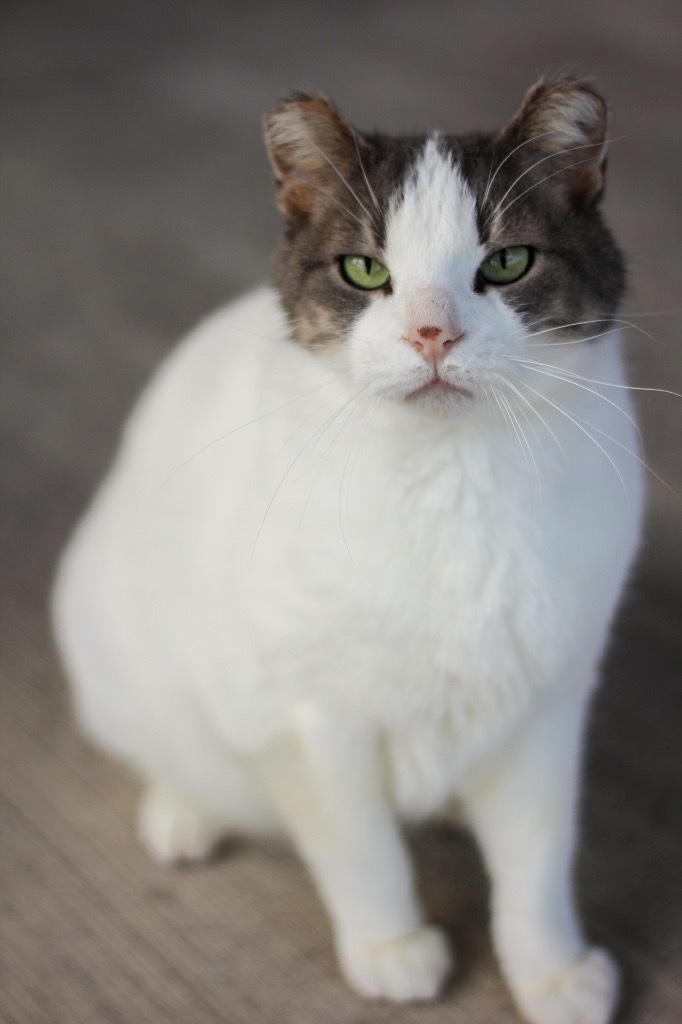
x=357 y=558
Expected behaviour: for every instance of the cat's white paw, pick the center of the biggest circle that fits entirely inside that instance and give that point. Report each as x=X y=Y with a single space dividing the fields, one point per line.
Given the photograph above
x=585 y=993
x=411 y=967
x=172 y=829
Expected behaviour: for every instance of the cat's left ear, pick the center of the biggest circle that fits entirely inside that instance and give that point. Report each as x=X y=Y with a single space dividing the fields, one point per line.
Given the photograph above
x=312 y=149
x=567 y=121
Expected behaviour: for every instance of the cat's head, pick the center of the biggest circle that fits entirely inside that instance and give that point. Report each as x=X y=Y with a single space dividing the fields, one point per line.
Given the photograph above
x=433 y=259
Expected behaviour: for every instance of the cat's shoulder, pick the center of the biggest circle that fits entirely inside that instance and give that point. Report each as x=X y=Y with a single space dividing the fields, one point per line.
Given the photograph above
x=247 y=331
x=250 y=319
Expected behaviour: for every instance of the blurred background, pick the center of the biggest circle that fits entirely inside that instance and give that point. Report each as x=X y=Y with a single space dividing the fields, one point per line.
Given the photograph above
x=136 y=197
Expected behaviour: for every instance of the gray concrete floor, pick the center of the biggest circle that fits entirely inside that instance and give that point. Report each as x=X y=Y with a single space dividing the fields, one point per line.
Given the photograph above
x=137 y=197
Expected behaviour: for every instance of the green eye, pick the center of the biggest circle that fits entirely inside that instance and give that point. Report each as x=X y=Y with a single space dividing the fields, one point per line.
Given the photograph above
x=507 y=265
x=364 y=272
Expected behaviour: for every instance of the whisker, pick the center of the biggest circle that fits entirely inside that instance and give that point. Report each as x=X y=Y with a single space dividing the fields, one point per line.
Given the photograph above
x=645 y=465
x=505 y=415
x=501 y=164
x=364 y=174
x=281 y=483
x=489 y=181
x=300 y=425
x=320 y=434
x=562 y=152
x=533 y=323
x=569 y=380
x=525 y=441
x=337 y=171
x=338 y=202
x=525 y=328
x=629 y=451
x=507 y=384
x=504 y=406
x=574 y=341
x=536 y=184
x=321 y=464
x=249 y=423
x=573 y=420
x=584 y=323
x=601 y=383
x=540 y=417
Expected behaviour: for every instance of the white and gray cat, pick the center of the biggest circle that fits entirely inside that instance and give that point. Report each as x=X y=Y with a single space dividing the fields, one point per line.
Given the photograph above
x=357 y=558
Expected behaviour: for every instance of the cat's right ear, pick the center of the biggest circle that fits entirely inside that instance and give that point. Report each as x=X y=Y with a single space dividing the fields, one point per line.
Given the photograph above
x=311 y=148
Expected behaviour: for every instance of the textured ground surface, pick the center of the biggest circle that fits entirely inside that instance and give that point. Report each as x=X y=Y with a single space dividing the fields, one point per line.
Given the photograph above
x=136 y=198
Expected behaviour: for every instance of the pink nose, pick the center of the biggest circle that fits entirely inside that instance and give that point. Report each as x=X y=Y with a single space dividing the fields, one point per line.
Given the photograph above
x=434 y=342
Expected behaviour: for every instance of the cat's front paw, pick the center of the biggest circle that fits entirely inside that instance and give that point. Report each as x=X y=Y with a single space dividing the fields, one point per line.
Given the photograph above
x=409 y=968
x=584 y=993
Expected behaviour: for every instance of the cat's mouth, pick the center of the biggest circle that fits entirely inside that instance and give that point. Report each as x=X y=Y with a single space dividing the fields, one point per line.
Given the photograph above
x=437 y=386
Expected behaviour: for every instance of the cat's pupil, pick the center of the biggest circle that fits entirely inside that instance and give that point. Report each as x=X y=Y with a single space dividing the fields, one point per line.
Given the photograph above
x=368 y=265
x=503 y=259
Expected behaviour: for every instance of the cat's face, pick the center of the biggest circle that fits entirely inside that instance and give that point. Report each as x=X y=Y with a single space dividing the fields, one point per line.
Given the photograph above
x=431 y=261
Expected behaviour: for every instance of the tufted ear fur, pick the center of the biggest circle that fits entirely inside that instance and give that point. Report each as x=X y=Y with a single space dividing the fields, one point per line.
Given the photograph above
x=311 y=148
x=567 y=121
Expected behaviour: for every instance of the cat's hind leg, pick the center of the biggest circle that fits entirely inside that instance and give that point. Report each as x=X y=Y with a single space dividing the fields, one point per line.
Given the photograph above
x=174 y=829
x=212 y=796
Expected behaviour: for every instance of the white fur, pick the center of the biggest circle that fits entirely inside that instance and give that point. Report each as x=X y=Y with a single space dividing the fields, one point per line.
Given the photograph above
x=302 y=599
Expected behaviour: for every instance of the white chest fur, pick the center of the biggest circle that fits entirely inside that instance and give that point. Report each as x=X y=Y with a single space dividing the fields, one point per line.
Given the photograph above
x=277 y=544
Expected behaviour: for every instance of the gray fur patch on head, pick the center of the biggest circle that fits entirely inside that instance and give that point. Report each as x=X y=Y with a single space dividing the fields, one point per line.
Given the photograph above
x=334 y=189
x=536 y=182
